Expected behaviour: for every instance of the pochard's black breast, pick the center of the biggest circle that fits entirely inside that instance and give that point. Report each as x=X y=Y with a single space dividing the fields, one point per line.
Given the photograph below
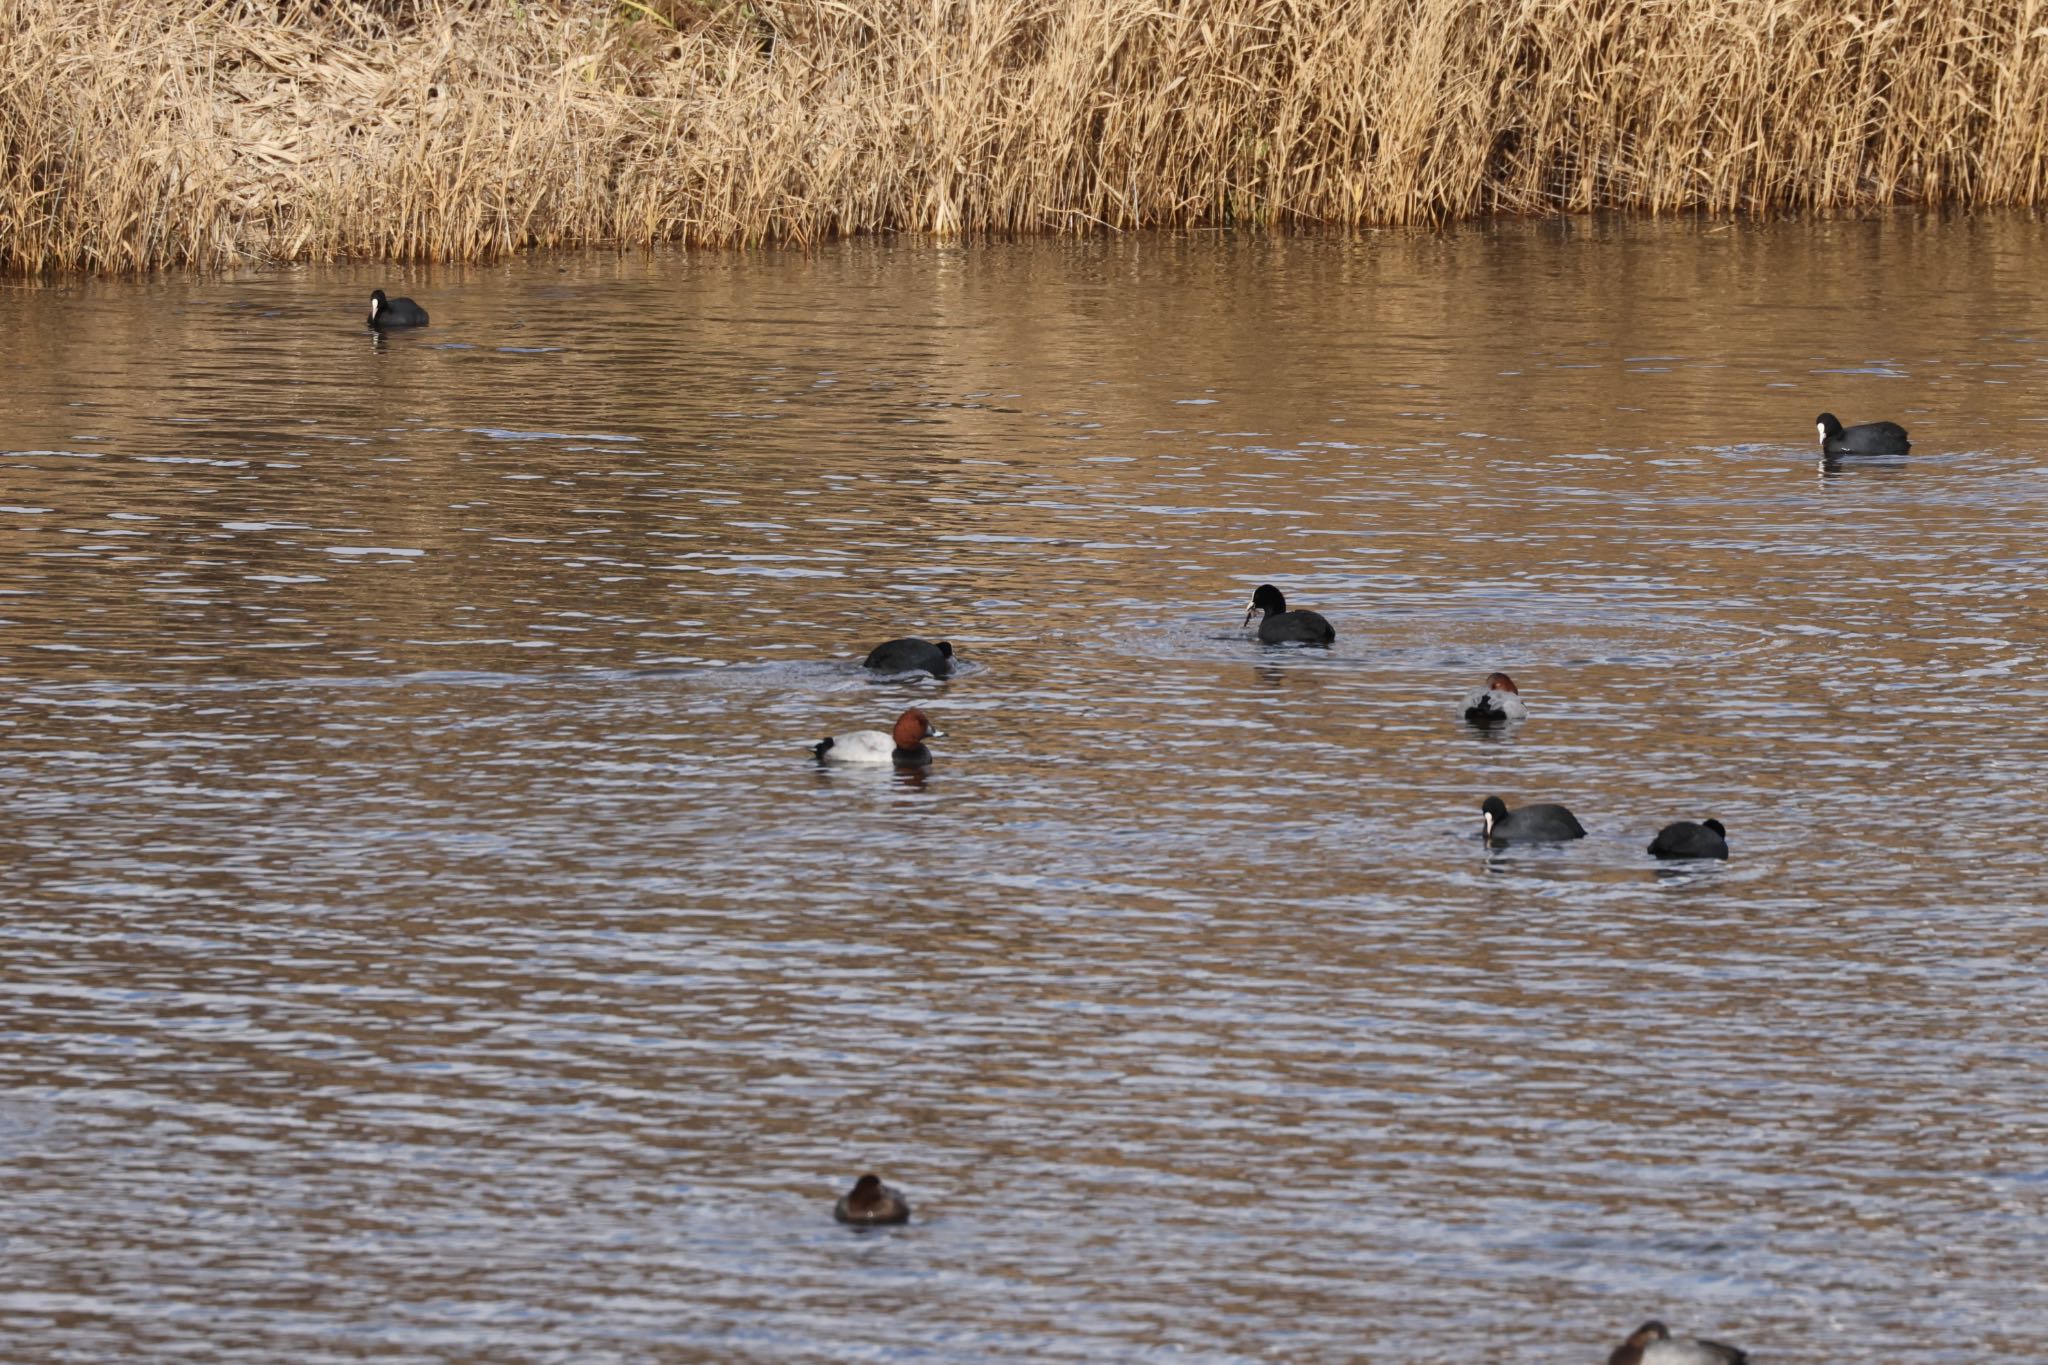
x=917 y=756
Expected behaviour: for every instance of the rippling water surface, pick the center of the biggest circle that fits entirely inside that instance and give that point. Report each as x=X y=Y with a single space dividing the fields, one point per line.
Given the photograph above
x=427 y=937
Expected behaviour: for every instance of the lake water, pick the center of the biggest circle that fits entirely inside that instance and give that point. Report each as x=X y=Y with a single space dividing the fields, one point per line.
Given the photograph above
x=427 y=936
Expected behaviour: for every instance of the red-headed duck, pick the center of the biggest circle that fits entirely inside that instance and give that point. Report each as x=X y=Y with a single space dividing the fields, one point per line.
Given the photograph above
x=1528 y=825
x=1653 y=1344
x=395 y=312
x=904 y=746
x=1283 y=627
x=911 y=655
x=871 y=1204
x=1871 y=438
x=1684 y=839
x=1499 y=701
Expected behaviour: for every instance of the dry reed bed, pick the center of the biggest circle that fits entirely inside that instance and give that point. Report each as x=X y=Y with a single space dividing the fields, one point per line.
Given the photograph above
x=147 y=133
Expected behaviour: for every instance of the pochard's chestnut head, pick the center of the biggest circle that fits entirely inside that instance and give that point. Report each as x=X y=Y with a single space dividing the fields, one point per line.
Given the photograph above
x=913 y=728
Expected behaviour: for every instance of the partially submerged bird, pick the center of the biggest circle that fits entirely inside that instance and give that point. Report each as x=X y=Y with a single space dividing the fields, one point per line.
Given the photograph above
x=903 y=746
x=1684 y=839
x=1500 y=700
x=871 y=1204
x=1528 y=825
x=1283 y=627
x=1870 y=438
x=911 y=655
x=395 y=312
x=1653 y=1344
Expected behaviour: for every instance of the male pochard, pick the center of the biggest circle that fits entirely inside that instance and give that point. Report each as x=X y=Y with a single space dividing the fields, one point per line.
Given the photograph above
x=904 y=746
x=1499 y=701
x=1528 y=825
x=1684 y=839
x=871 y=1204
x=1283 y=627
x=1870 y=438
x=911 y=655
x=1653 y=1344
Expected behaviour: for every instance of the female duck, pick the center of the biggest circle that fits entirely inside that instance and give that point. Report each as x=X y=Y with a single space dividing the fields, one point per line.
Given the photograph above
x=904 y=746
x=910 y=655
x=395 y=312
x=1497 y=702
x=1869 y=438
x=1284 y=627
x=1653 y=1344
x=1530 y=824
x=1684 y=839
x=871 y=1204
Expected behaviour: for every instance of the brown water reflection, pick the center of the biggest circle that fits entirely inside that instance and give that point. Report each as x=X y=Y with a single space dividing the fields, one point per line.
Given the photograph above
x=427 y=938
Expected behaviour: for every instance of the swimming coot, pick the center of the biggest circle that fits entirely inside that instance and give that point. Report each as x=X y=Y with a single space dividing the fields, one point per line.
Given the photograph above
x=1500 y=700
x=395 y=312
x=870 y=1204
x=1283 y=627
x=903 y=746
x=1653 y=1344
x=1871 y=438
x=1684 y=839
x=1530 y=824
x=911 y=655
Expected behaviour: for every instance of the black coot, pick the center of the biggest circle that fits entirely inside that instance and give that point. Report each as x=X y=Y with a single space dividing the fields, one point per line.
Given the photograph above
x=1871 y=438
x=395 y=312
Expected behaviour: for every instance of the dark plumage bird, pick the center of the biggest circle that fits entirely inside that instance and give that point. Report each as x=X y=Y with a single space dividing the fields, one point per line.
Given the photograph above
x=1283 y=627
x=1684 y=839
x=911 y=655
x=1528 y=825
x=1653 y=1344
x=395 y=312
x=1871 y=438
x=871 y=1204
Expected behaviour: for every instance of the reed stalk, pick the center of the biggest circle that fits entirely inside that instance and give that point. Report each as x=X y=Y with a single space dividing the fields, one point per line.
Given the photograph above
x=148 y=133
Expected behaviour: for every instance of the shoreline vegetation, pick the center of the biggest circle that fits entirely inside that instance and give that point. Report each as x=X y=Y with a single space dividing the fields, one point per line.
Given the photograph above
x=143 y=134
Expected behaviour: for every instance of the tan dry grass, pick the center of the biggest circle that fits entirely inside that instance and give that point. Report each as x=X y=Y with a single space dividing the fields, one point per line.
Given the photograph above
x=145 y=133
